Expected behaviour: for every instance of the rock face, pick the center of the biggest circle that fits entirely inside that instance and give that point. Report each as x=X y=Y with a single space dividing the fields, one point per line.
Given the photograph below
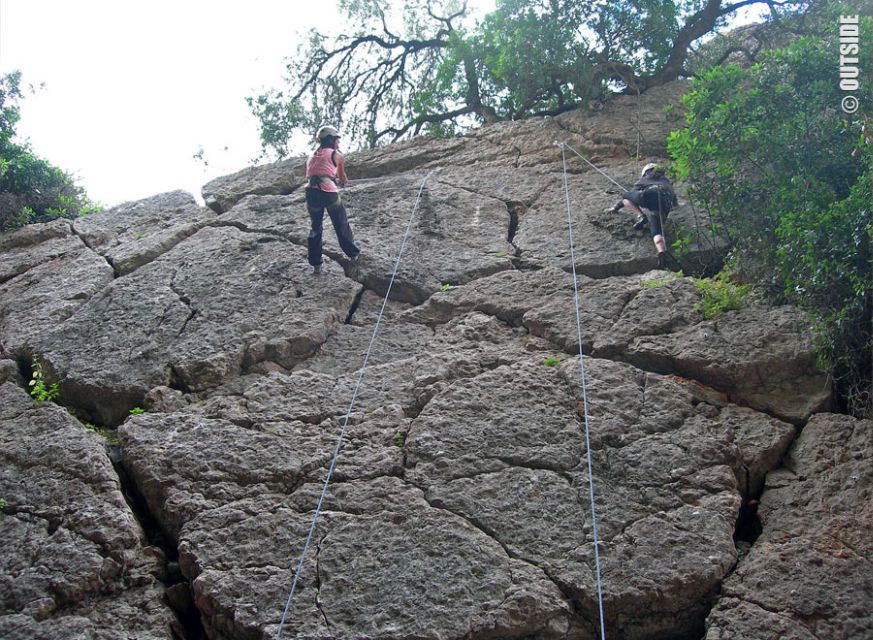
x=810 y=574
x=75 y=563
x=459 y=503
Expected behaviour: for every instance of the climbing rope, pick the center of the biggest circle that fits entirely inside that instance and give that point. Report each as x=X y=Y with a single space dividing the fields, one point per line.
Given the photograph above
x=661 y=218
x=562 y=145
x=339 y=444
x=584 y=390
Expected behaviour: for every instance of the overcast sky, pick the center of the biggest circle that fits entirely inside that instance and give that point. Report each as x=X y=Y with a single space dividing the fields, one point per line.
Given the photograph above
x=134 y=89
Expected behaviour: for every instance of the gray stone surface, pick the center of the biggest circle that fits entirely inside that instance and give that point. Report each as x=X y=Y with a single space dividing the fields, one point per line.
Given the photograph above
x=272 y=179
x=458 y=507
x=763 y=357
x=809 y=575
x=135 y=233
x=75 y=563
x=221 y=303
x=455 y=236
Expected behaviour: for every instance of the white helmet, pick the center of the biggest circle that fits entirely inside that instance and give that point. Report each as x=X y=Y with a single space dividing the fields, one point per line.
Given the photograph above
x=652 y=166
x=326 y=131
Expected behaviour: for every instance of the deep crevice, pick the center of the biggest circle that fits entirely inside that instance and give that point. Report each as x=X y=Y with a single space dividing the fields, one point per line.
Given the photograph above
x=515 y=209
x=182 y=601
x=355 y=304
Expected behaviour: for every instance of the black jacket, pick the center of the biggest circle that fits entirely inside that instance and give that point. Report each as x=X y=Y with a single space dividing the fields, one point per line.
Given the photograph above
x=657 y=180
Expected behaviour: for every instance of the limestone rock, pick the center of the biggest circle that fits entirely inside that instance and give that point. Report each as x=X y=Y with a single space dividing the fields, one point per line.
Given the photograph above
x=35 y=244
x=456 y=236
x=39 y=299
x=495 y=452
x=74 y=560
x=761 y=356
x=458 y=506
x=809 y=574
x=135 y=233
x=212 y=307
x=277 y=178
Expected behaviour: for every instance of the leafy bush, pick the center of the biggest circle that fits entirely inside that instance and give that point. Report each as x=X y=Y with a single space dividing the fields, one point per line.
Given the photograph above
x=40 y=390
x=786 y=174
x=551 y=361
x=719 y=294
x=31 y=189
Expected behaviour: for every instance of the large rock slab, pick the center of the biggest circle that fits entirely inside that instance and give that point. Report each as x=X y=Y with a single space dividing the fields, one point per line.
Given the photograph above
x=45 y=295
x=370 y=574
x=605 y=243
x=761 y=356
x=455 y=235
x=809 y=575
x=35 y=244
x=135 y=233
x=218 y=304
x=75 y=562
x=272 y=179
x=506 y=452
x=460 y=463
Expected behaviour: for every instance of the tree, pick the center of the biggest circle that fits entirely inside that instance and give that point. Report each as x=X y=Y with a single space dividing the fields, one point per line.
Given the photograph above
x=427 y=67
x=788 y=176
x=31 y=189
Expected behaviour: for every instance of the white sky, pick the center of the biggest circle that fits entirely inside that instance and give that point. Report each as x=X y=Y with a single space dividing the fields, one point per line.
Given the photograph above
x=133 y=89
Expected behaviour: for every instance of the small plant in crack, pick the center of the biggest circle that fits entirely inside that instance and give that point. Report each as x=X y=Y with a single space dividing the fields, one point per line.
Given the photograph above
x=445 y=287
x=551 y=361
x=40 y=390
x=3 y=503
x=106 y=434
x=137 y=411
x=399 y=439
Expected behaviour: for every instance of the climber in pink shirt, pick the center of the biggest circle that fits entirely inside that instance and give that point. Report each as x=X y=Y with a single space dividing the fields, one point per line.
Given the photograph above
x=326 y=171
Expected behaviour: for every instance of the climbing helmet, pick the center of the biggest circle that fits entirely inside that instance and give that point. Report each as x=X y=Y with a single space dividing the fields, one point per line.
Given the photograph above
x=652 y=166
x=326 y=131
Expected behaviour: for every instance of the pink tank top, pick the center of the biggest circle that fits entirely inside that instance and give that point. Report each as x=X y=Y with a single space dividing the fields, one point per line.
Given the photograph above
x=321 y=164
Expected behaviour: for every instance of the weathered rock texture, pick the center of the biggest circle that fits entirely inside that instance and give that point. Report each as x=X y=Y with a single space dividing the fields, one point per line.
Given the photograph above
x=810 y=574
x=459 y=502
x=75 y=563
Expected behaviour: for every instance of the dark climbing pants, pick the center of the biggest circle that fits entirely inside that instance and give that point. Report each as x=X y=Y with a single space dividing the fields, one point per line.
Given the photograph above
x=655 y=202
x=316 y=203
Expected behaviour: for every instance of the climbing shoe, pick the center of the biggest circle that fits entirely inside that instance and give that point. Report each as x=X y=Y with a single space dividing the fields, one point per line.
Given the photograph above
x=316 y=269
x=641 y=222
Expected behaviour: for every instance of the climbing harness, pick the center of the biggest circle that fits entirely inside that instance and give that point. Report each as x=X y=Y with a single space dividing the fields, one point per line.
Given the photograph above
x=584 y=389
x=342 y=435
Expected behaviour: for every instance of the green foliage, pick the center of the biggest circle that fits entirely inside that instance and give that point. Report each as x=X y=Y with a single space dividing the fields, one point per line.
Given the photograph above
x=720 y=294
x=107 y=434
x=660 y=282
x=399 y=439
x=785 y=173
x=137 y=411
x=31 y=189
x=40 y=390
x=3 y=503
x=433 y=67
x=551 y=361
x=445 y=287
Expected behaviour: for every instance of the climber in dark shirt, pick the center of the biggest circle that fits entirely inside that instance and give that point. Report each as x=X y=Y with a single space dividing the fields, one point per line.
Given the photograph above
x=654 y=192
